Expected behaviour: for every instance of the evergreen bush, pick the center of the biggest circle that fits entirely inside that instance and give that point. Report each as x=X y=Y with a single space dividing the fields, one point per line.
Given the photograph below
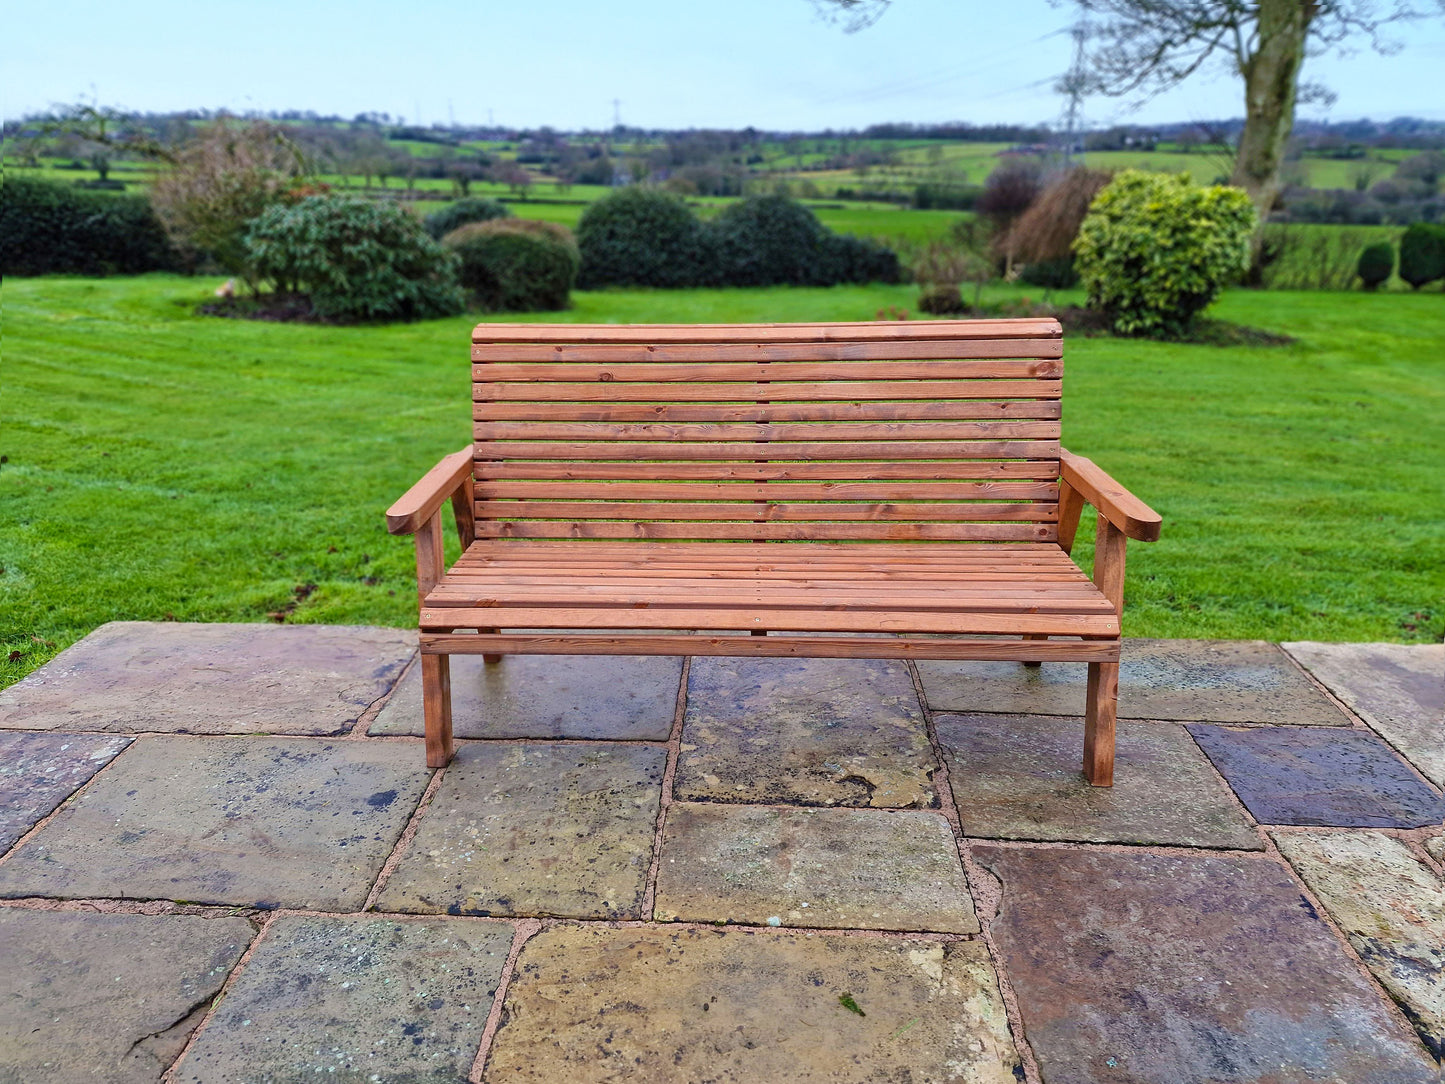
x=1156 y=249
x=1422 y=254
x=640 y=236
x=48 y=228
x=517 y=264
x=354 y=259
x=455 y=215
x=1375 y=264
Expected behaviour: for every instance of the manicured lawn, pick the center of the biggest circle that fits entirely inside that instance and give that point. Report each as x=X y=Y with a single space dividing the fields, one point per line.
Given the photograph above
x=163 y=465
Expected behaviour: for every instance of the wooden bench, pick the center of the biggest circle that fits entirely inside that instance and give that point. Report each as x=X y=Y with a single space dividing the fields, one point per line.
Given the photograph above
x=718 y=490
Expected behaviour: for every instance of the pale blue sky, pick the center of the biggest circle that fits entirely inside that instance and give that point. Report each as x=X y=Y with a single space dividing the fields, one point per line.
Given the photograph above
x=769 y=63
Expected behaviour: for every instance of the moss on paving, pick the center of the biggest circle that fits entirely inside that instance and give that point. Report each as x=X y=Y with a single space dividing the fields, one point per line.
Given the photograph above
x=162 y=465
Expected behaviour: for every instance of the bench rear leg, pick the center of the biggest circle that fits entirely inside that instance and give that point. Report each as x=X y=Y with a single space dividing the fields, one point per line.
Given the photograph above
x=436 y=702
x=1034 y=636
x=1099 y=714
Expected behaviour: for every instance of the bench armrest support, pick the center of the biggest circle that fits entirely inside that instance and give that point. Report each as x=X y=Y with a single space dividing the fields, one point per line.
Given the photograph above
x=423 y=500
x=1082 y=481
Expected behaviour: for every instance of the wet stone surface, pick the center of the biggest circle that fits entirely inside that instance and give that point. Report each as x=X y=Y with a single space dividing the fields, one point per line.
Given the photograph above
x=547 y=696
x=1392 y=908
x=1435 y=846
x=1019 y=777
x=1309 y=775
x=1140 y=968
x=183 y=678
x=679 y=1006
x=1217 y=681
x=109 y=998
x=830 y=868
x=535 y=829
x=355 y=999
x=846 y=732
x=39 y=771
x=1398 y=689
x=253 y=822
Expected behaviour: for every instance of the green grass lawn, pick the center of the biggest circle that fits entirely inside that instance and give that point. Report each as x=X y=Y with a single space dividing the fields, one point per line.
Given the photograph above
x=163 y=465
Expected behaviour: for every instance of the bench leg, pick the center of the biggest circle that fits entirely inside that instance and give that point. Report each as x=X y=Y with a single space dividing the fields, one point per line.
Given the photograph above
x=1034 y=636
x=490 y=660
x=1099 y=715
x=436 y=702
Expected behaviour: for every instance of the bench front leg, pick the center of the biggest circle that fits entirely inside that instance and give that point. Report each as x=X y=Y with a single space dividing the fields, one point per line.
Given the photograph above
x=1101 y=706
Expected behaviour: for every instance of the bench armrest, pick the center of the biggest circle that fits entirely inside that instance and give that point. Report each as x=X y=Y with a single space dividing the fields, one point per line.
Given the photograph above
x=1120 y=507
x=424 y=500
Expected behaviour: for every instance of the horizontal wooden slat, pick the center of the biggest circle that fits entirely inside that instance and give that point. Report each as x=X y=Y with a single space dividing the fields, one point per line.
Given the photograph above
x=593 y=451
x=1023 y=511
x=806 y=554
x=913 y=410
x=647 y=370
x=852 y=471
x=801 y=491
x=629 y=600
x=542 y=361
x=954 y=532
x=799 y=620
x=776 y=391
x=856 y=331
x=809 y=647
x=725 y=431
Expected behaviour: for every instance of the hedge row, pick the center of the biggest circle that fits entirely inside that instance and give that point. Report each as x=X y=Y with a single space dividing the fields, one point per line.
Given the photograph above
x=647 y=237
x=48 y=228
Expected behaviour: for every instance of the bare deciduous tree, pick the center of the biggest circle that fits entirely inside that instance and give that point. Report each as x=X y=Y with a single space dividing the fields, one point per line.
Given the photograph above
x=1146 y=46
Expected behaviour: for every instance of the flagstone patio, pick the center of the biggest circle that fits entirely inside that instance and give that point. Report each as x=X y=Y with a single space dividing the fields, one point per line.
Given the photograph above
x=222 y=858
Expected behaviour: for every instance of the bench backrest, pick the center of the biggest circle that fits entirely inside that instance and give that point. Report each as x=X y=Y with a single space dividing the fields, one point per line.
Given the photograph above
x=888 y=431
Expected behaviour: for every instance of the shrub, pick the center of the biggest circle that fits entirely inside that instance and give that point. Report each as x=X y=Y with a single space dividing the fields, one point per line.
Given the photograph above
x=1422 y=254
x=942 y=299
x=54 y=229
x=1045 y=231
x=517 y=264
x=354 y=260
x=1057 y=274
x=222 y=180
x=640 y=236
x=1008 y=192
x=1155 y=250
x=1375 y=264
x=453 y=215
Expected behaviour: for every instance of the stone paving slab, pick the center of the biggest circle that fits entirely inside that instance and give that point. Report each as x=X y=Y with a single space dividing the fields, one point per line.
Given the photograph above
x=1215 y=681
x=273 y=822
x=183 y=678
x=535 y=829
x=1398 y=689
x=360 y=999
x=1313 y=775
x=1019 y=777
x=110 y=998
x=828 y=868
x=1435 y=846
x=1390 y=906
x=844 y=732
x=39 y=771
x=547 y=696
x=1142 y=968
x=667 y=1005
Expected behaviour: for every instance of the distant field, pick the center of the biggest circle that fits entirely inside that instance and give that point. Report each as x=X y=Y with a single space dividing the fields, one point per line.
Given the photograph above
x=1300 y=485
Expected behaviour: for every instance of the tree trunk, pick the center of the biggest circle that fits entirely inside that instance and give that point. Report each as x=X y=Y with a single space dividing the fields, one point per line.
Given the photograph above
x=1271 y=75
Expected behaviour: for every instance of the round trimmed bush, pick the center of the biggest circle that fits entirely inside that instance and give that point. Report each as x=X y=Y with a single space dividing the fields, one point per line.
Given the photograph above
x=454 y=215
x=1156 y=249
x=517 y=264
x=1422 y=254
x=640 y=236
x=354 y=259
x=942 y=299
x=1375 y=264
x=1051 y=274
x=775 y=240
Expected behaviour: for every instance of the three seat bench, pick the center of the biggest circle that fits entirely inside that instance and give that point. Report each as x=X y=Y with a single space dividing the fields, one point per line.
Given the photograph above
x=878 y=490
